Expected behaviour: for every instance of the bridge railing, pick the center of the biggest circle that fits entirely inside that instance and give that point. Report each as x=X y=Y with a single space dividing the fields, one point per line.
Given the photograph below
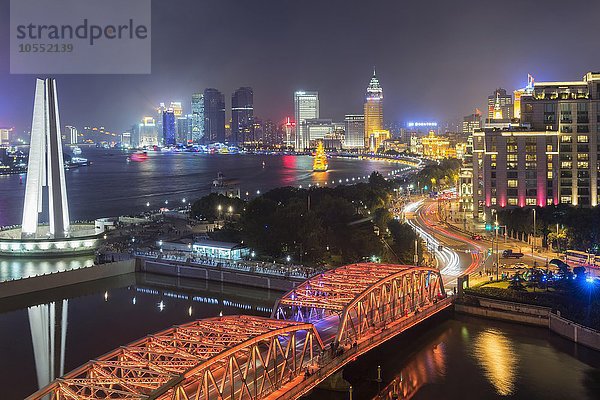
x=329 y=363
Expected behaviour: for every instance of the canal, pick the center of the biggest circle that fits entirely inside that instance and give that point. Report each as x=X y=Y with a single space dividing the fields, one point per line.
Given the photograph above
x=447 y=358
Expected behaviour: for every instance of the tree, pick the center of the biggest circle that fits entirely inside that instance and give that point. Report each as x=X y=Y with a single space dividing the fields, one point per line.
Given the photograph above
x=516 y=282
x=208 y=207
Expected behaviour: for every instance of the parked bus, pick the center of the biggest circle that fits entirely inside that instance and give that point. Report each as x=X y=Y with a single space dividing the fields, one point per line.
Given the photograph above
x=582 y=258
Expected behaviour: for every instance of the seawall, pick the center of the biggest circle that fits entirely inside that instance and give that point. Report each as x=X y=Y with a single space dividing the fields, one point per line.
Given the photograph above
x=530 y=315
x=65 y=278
x=219 y=274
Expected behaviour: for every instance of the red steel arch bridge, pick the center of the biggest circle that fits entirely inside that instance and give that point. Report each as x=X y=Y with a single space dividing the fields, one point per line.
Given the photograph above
x=315 y=329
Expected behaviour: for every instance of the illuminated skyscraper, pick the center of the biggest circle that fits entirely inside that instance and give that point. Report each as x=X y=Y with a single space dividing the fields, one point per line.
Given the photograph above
x=570 y=110
x=214 y=116
x=168 y=125
x=177 y=108
x=197 y=117
x=46 y=166
x=147 y=133
x=242 y=115
x=373 y=109
x=355 y=132
x=306 y=106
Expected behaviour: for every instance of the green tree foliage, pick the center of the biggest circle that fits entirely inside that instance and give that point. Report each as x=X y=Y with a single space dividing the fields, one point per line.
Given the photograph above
x=439 y=175
x=403 y=237
x=208 y=207
x=579 y=228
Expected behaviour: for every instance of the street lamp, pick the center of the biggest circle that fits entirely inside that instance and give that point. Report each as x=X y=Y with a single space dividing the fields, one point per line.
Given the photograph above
x=533 y=238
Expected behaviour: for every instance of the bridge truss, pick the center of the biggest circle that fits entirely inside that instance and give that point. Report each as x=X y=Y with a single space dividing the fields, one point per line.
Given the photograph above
x=363 y=296
x=234 y=357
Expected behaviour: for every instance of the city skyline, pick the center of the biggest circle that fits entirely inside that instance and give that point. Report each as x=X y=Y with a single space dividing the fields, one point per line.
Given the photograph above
x=115 y=100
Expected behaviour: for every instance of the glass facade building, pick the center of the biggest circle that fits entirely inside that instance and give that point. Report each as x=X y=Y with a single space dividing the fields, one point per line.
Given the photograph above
x=306 y=106
x=242 y=116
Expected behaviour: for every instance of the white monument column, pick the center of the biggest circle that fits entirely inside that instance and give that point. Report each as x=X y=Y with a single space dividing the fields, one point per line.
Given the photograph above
x=46 y=165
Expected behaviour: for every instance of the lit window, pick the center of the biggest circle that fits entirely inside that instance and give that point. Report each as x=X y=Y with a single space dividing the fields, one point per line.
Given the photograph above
x=513 y=183
x=583 y=165
x=549 y=174
x=582 y=139
x=493 y=201
x=530 y=202
x=512 y=201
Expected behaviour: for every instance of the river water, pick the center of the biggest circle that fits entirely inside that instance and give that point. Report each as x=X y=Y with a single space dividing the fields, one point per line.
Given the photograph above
x=447 y=358
x=111 y=186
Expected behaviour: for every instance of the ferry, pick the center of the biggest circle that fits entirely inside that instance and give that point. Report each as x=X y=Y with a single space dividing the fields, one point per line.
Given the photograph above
x=76 y=150
x=320 y=162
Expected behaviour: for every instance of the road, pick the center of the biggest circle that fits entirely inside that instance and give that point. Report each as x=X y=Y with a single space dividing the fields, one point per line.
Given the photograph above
x=460 y=254
x=455 y=254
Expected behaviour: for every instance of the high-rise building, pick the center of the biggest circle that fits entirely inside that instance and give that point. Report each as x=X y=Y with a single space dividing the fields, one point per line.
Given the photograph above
x=471 y=122
x=197 y=119
x=571 y=111
x=159 y=118
x=316 y=129
x=517 y=166
x=306 y=106
x=527 y=90
x=242 y=115
x=183 y=132
x=354 y=132
x=177 y=108
x=214 y=116
x=500 y=106
x=290 y=127
x=373 y=110
x=147 y=133
x=46 y=166
x=168 y=125
x=5 y=136
x=376 y=139
x=126 y=139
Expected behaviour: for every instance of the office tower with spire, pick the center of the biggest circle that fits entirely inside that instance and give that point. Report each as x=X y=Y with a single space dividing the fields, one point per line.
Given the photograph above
x=374 y=132
x=373 y=109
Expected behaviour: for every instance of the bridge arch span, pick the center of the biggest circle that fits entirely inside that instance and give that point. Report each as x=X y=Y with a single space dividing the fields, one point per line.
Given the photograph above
x=363 y=296
x=233 y=357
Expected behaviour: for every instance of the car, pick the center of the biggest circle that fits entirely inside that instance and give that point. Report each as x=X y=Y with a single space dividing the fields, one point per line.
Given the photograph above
x=519 y=265
x=476 y=237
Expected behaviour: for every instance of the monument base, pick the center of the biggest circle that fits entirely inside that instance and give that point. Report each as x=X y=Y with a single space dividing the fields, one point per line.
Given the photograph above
x=83 y=239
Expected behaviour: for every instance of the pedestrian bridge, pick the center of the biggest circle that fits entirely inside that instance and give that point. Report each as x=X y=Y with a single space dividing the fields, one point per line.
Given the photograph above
x=315 y=329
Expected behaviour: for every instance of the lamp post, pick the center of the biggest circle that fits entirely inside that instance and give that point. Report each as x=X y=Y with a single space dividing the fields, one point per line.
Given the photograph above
x=533 y=238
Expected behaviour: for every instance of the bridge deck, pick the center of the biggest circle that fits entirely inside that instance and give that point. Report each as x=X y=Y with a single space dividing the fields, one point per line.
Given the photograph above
x=329 y=363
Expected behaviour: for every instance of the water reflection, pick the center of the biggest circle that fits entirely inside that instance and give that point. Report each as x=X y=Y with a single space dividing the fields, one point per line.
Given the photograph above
x=48 y=327
x=495 y=353
x=427 y=366
x=22 y=267
x=101 y=316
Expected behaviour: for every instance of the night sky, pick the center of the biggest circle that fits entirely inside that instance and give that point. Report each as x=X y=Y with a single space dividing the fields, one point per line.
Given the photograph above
x=436 y=60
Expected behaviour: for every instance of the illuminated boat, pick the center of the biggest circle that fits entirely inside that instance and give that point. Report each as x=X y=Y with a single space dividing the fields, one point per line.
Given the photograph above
x=320 y=161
